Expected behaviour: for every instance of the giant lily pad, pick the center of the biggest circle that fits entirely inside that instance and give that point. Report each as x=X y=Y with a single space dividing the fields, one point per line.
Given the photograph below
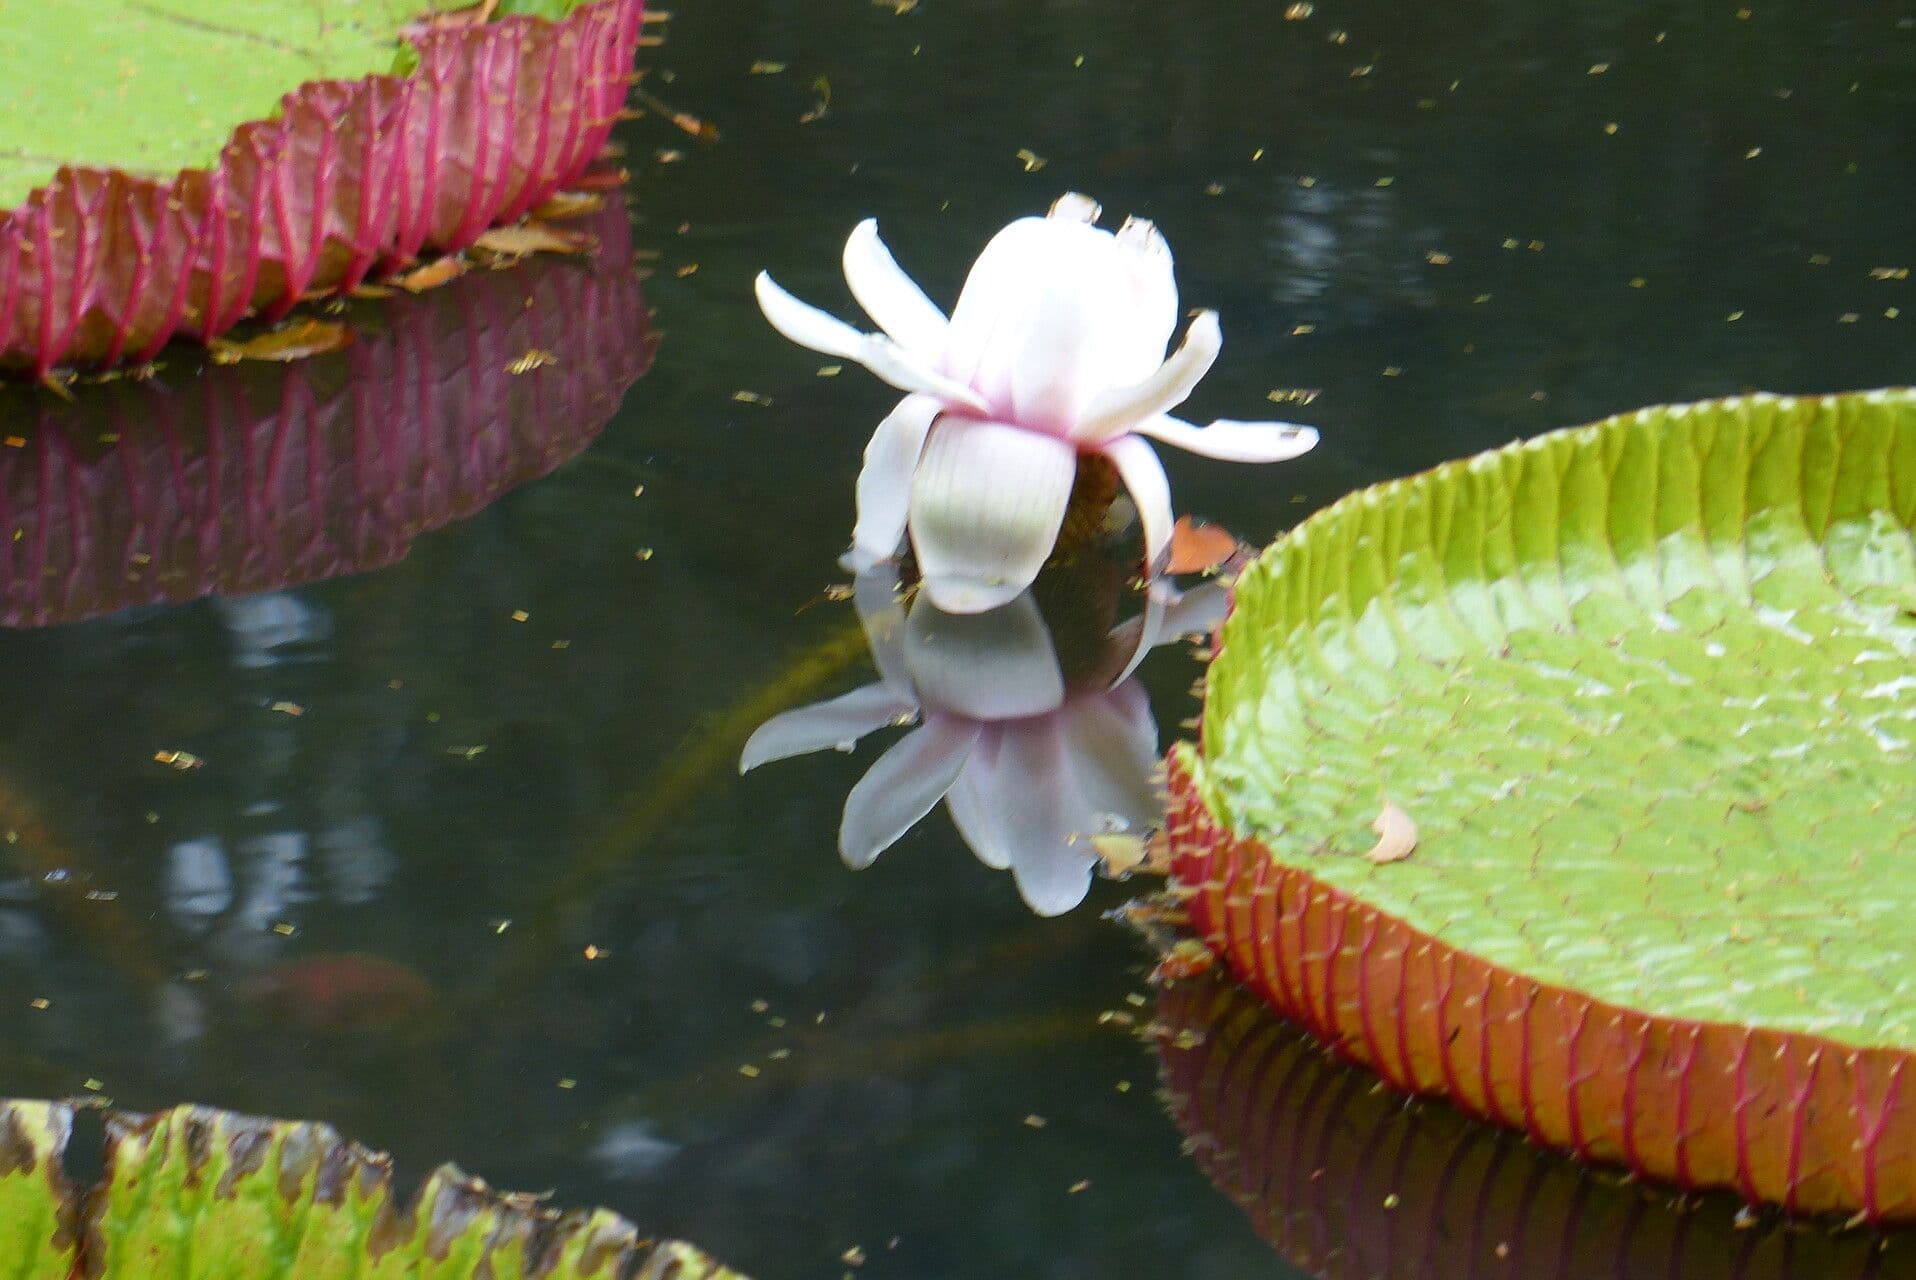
x=195 y=1192
x=170 y=167
x=1647 y=690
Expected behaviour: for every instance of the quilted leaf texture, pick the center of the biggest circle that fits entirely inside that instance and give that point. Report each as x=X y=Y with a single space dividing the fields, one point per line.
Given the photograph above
x=1648 y=691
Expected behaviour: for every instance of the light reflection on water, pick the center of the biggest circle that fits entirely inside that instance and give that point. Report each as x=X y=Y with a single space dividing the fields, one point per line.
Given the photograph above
x=466 y=801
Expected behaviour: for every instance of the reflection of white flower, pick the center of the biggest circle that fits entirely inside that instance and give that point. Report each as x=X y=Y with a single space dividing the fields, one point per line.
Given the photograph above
x=1056 y=348
x=1028 y=768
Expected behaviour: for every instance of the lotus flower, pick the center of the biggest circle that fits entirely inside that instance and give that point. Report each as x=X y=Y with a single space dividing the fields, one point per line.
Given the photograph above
x=1056 y=349
x=1029 y=766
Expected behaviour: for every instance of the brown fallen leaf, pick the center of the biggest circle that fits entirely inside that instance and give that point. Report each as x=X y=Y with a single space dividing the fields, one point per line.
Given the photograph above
x=293 y=341
x=569 y=204
x=531 y=237
x=433 y=274
x=1199 y=548
x=1396 y=835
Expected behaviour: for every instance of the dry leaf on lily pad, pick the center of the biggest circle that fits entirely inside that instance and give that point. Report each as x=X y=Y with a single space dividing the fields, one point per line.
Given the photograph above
x=1200 y=548
x=433 y=274
x=531 y=237
x=570 y=204
x=1396 y=835
x=195 y=1192
x=293 y=341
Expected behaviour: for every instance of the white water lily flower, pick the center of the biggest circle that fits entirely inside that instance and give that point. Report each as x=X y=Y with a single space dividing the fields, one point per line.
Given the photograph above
x=1056 y=349
x=1029 y=768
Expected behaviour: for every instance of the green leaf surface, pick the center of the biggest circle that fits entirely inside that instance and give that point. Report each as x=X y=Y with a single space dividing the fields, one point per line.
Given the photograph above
x=155 y=86
x=1648 y=690
x=199 y=1194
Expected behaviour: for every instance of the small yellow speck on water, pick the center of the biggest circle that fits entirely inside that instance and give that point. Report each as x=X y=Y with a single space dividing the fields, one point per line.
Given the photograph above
x=1123 y=1086
x=568 y=1083
x=91 y=1085
x=595 y=952
x=1437 y=259
x=1734 y=315
x=1384 y=182
x=1597 y=68
x=830 y=370
x=689 y=269
x=1660 y=37
x=1214 y=188
x=1299 y=11
x=1890 y=313
x=1031 y=160
x=432 y=717
x=561 y=644
x=1257 y=155
x=41 y=1003
x=1358 y=73
x=181 y=760
x=853 y=1257
x=500 y=926
x=643 y=553
x=288 y=708
x=1753 y=153
x=1307 y=181
x=1078 y=61
x=16 y=442
x=1299 y=330
x=1742 y=15
x=1426 y=104
x=151 y=817
x=1081 y=1185
x=1848 y=317
x=1509 y=243
x=1393 y=370
x=776 y=1022
x=1819 y=259
x=533 y=359
x=1535 y=246
x=1392 y=1200
x=1638 y=282
x=1339 y=37
x=668 y=155
x=1889 y=273
x=761 y=1006
x=520 y=615
x=763 y=68
x=1035 y=1121
x=751 y=397
x=1610 y=127
x=1540 y=396
x=1135 y=1000
x=285 y=928
x=747 y=1070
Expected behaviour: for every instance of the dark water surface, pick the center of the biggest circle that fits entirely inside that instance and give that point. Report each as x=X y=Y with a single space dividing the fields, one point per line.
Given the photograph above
x=414 y=797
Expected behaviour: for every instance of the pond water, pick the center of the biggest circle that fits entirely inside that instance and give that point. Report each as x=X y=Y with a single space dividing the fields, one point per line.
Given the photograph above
x=447 y=846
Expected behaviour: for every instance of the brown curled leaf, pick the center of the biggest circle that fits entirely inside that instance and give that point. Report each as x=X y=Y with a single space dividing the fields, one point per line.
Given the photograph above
x=1396 y=835
x=293 y=341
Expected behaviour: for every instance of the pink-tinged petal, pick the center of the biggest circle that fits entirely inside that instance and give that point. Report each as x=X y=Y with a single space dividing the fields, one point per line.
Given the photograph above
x=835 y=724
x=1016 y=805
x=1120 y=409
x=1111 y=743
x=808 y=326
x=901 y=787
x=884 y=483
x=890 y=297
x=986 y=505
x=998 y=665
x=1150 y=489
x=1170 y=615
x=1233 y=441
x=1075 y=206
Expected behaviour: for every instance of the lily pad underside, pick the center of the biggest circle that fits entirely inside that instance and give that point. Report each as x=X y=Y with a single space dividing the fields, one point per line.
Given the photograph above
x=1647 y=690
x=170 y=166
x=195 y=1192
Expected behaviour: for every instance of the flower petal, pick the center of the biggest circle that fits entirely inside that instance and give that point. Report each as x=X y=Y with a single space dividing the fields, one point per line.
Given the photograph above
x=890 y=297
x=1121 y=409
x=1111 y=744
x=1016 y=805
x=836 y=723
x=1232 y=441
x=986 y=504
x=997 y=665
x=1150 y=489
x=823 y=332
x=902 y=786
x=884 y=483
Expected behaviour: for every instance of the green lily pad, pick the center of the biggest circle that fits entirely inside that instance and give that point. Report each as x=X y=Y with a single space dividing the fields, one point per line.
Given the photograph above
x=195 y=1192
x=1647 y=690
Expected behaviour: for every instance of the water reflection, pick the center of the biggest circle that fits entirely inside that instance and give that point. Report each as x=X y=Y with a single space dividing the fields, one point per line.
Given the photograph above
x=244 y=478
x=1345 y=1178
x=1031 y=725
